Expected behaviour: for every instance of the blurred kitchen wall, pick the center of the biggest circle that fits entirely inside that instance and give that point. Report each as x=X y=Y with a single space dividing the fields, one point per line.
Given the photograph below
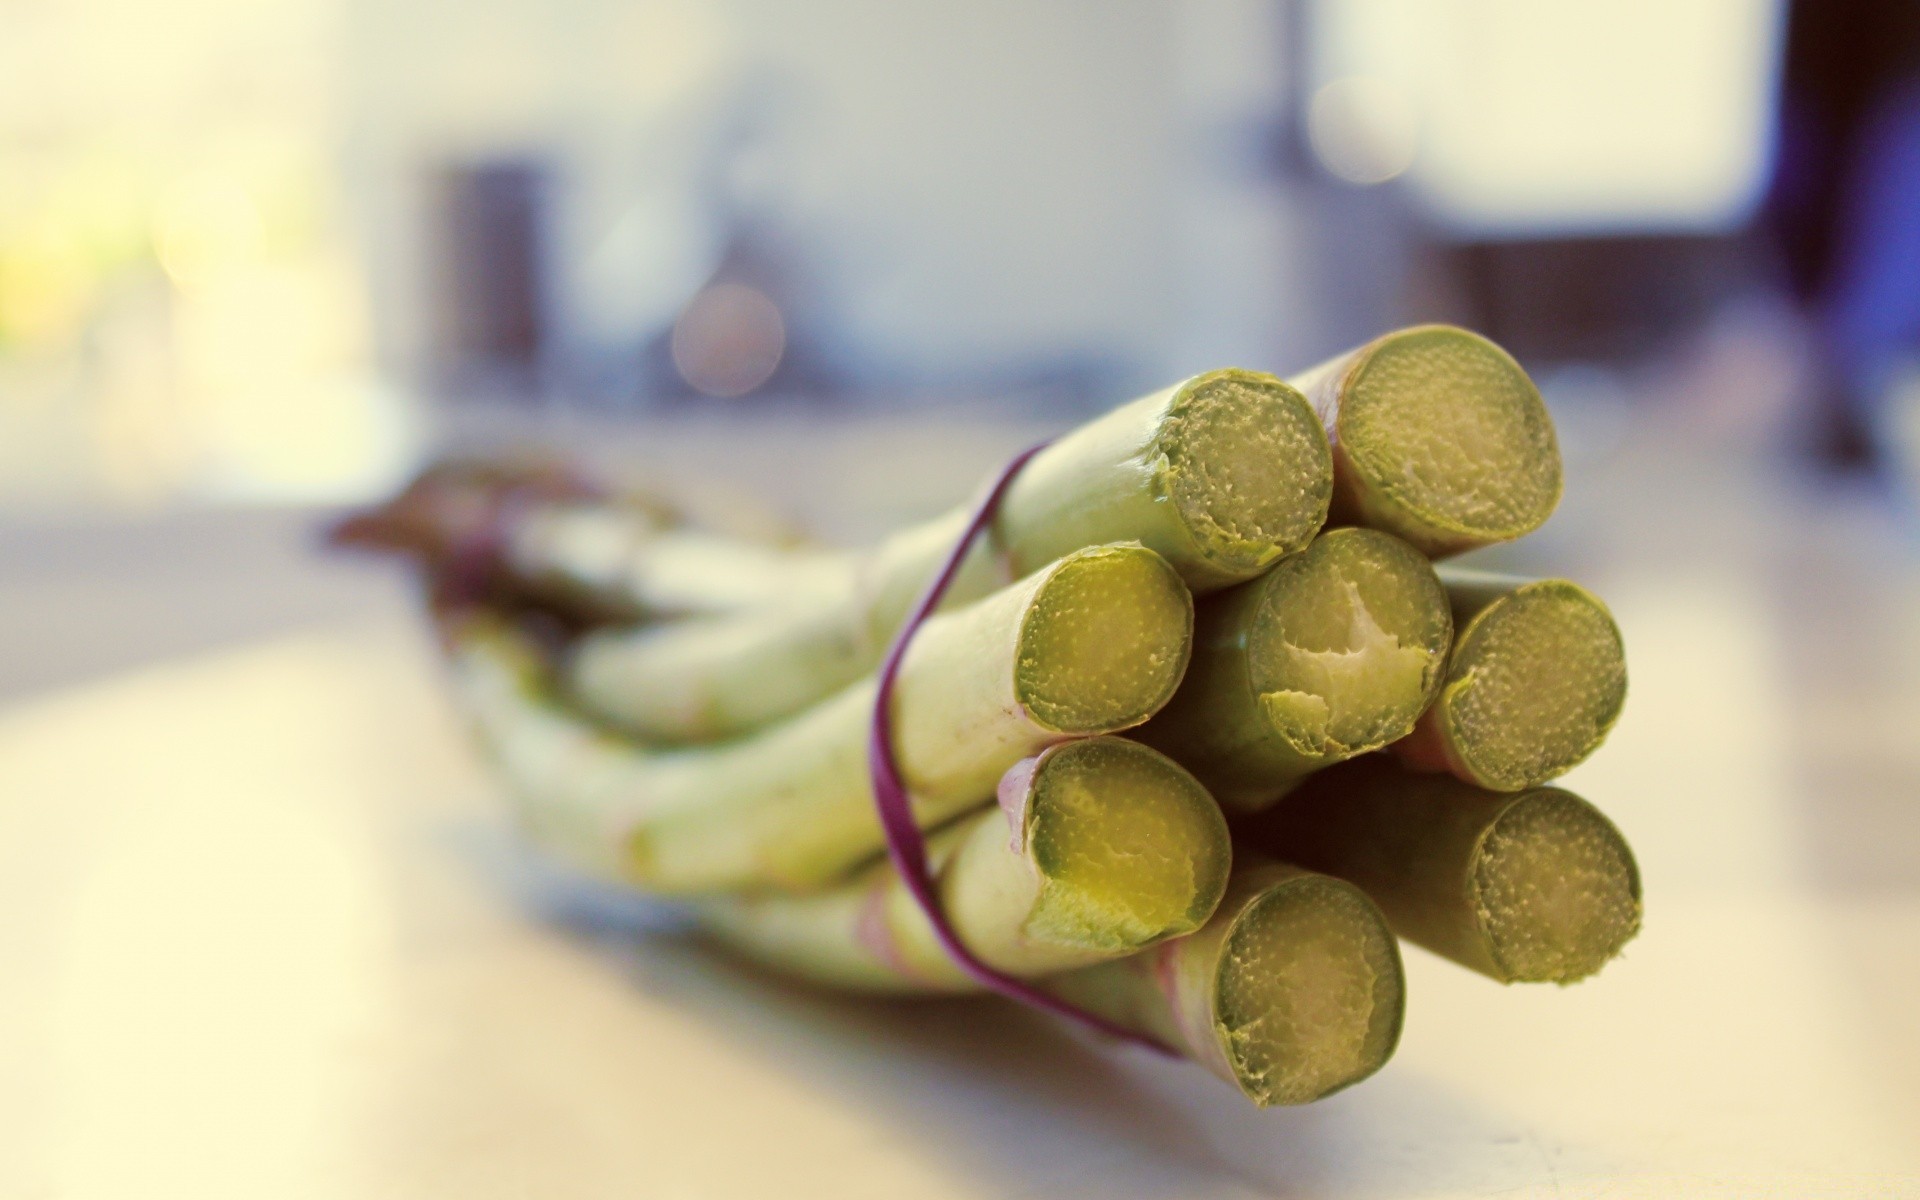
x=242 y=241
x=263 y=249
x=934 y=197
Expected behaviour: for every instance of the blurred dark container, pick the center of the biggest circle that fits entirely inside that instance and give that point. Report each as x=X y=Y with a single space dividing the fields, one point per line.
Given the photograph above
x=487 y=223
x=1604 y=298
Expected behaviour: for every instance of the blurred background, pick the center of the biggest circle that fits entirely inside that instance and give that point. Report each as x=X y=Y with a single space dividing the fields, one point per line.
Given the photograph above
x=269 y=250
x=260 y=259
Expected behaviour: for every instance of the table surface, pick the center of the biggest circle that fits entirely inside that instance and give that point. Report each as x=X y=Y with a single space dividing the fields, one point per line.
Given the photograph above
x=264 y=934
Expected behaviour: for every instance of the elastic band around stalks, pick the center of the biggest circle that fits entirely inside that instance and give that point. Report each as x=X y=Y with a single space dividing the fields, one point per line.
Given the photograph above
x=906 y=846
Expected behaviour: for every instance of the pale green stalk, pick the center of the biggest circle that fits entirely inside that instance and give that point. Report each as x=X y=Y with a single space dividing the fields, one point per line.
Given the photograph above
x=1334 y=652
x=1532 y=886
x=1099 y=848
x=1222 y=475
x=710 y=678
x=1092 y=644
x=1438 y=437
x=616 y=562
x=540 y=532
x=1292 y=991
x=1536 y=679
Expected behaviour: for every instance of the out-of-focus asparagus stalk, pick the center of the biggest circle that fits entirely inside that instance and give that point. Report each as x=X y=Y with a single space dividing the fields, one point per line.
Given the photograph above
x=1438 y=437
x=1092 y=644
x=542 y=532
x=1536 y=679
x=712 y=678
x=1534 y=886
x=607 y=561
x=1292 y=991
x=1113 y=848
x=1222 y=475
x=1334 y=652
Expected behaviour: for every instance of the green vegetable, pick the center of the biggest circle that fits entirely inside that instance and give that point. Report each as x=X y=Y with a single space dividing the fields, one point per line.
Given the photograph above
x=1536 y=679
x=1334 y=652
x=1291 y=992
x=1100 y=848
x=1221 y=475
x=1438 y=437
x=1092 y=644
x=1533 y=886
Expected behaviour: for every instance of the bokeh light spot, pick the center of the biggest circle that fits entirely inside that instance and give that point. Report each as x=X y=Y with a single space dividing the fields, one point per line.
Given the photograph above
x=728 y=340
x=1364 y=130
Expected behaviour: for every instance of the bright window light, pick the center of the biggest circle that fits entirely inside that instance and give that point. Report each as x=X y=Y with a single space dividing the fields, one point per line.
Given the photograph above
x=1542 y=117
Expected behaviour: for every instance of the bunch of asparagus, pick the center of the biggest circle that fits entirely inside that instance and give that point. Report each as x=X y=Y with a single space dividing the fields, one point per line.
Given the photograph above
x=1328 y=742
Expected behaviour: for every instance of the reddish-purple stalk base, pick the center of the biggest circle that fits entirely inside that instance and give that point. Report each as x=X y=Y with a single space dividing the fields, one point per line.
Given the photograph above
x=462 y=570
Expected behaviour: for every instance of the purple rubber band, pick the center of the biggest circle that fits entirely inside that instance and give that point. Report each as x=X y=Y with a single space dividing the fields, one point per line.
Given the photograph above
x=906 y=846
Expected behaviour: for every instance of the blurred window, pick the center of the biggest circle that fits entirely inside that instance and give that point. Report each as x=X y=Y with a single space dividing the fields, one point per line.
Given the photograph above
x=1524 y=118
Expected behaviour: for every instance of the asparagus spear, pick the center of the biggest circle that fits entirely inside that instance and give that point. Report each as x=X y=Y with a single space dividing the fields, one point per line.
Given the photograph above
x=608 y=561
x=1114 y=848
x=717 y=677
x=1533 y=886
x=585 y=551
x=1536 y=679
x=1292 y=991
x=1222 y=474
x=1092 y=644
x=1334 y=652
x=454 y=500
x=1439 y=437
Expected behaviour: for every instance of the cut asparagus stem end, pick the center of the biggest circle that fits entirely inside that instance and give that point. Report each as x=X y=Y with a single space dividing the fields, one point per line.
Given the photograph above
x=1536 y=682
x=1531 y=887
x=1104 y=641
x=1130 y=848
x=1116 y=849
x=1349 y=644
x=1309 y=993
x=1447 y=441
x=1247 y=468
x=1556 y=889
